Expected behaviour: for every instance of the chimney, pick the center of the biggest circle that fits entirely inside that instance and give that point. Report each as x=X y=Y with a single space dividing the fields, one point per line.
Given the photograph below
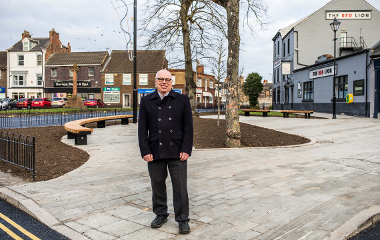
x=26 y=34
x=68 y=47
x=265 y=81
x=200 y=68
x=54 y=36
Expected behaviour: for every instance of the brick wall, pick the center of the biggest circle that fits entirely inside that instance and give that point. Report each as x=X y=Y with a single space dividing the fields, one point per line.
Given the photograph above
x=55 y=45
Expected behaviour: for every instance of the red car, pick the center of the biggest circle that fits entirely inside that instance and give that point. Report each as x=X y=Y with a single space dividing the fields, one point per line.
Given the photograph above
x=97 y=103
x=41 y=103
x=24 y=103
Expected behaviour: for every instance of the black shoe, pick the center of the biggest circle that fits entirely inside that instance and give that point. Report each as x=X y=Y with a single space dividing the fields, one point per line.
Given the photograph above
x=158 y=221
x=184 y=227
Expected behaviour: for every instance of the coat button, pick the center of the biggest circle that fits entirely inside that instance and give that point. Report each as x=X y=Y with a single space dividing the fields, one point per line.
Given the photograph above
x=171 y=131
x=171 y=143
x=160 y=144
x=159 y=131
x=159 y=119
x=170 y=119
x=159 y=107
x=170 y=106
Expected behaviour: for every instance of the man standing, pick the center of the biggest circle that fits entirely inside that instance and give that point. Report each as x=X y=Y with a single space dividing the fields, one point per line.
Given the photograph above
x=165 y=130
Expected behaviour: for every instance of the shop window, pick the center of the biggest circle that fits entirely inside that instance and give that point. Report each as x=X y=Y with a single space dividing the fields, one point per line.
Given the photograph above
x=359 y=87
x=91 y=71
x=53 y=72
x=127 y=79
x=341 y=87
x=21 y=60
x=112 y=97
x=109 y=79
x=143 y=79
x=308 y=91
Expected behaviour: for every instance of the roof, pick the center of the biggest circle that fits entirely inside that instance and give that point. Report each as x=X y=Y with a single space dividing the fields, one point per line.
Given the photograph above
x=3 y=59
x=375 y=50
x=148 y=61
x=42 y=43
x=80 y=58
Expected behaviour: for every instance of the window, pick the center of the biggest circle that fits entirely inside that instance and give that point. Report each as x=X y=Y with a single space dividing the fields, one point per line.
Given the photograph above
x=274 y=52
x=26 y=46
x=173 y=80
x=211 y=84
x=283 y=50
x=278 y=74
x=18 y=80
x=39 y=79
x=111 y=97
x=288 y=46
x=308 y=91
x=21 y=60
x=341 y=86
x=210 y=99
x=91 y=71
x=127 y=79
x=109 y=79
x=53 y=72
x=278 y=96
x=39 y=60
x=358 y=87
x=199 y=82
x=143 y=79
x=71 y=73
x=286 y=95
x=278 y=48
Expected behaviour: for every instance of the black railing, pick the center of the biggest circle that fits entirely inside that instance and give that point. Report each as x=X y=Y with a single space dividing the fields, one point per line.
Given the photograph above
x=349 y=42
x=20 y=119
x=18 y=150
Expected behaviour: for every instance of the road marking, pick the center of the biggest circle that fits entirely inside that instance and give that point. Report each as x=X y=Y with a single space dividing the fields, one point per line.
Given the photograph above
x=18 y=227
x=10 y=233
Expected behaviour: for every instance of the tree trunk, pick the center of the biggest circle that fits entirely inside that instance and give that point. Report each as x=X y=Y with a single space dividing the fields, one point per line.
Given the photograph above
x=232 y=109
x=189 y=74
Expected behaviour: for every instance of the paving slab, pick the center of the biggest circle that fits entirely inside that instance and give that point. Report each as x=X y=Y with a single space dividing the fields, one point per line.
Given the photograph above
x=326 y=189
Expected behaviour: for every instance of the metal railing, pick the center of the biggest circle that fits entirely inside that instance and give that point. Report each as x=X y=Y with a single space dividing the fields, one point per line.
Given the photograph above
x=20 y=119
x=18 y=150
x=349 y=42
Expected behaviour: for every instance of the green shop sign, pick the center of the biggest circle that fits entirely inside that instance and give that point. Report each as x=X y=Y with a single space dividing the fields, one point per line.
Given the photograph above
x=111 y=89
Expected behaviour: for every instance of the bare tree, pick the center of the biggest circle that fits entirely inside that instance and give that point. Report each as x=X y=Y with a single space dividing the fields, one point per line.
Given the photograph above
x=218 y=69
x=232 y=7
x=176 y=24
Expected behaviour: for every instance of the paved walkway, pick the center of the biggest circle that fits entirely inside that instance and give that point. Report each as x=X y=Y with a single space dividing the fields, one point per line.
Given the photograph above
x=322 y=190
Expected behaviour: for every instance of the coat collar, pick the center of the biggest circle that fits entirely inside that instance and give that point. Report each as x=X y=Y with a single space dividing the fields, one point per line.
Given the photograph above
x=155 y=94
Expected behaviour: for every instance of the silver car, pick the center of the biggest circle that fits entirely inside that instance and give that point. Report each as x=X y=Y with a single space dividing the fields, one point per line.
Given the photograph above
x=58 y=102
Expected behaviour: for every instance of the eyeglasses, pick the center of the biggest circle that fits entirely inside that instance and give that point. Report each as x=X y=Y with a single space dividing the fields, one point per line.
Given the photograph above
x=161 y=80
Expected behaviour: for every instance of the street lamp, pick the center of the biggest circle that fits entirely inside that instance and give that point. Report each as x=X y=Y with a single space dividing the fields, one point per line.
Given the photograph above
x=334 y=26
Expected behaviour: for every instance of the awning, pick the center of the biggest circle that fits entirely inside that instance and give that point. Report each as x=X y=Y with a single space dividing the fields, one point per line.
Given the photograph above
x=207 y=94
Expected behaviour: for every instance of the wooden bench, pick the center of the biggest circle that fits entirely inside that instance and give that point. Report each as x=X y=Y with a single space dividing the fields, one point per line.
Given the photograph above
x=247 y=111
x=285 y=113
x=76 y=129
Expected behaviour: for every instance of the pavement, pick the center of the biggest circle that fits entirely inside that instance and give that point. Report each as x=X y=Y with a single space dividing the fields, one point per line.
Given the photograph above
x=326 y=189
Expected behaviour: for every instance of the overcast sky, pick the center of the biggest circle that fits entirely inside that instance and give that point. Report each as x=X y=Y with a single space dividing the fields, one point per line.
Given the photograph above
x=93 y=25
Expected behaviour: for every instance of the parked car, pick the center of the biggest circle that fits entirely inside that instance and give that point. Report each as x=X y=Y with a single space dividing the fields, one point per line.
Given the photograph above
x=2 y=104
x=97 y=103
x=24 y=103
x=59 y=102
x=10 y=103
x=41 y=103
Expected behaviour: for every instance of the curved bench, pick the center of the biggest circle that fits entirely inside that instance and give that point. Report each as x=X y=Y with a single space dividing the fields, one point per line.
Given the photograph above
x=76 y=129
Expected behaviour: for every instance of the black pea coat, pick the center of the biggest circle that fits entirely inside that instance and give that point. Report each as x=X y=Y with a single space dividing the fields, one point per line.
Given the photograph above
x=165 y=127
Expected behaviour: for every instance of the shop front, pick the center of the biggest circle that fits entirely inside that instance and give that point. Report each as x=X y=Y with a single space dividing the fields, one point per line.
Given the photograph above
x=64 y=88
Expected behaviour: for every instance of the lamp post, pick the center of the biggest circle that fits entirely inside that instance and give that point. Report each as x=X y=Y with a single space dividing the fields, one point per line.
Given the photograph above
x=334 y=26
x=135 y=62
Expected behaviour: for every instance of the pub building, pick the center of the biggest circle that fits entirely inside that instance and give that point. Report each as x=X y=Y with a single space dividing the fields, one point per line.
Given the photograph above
x=59 y=76
x=303 y=59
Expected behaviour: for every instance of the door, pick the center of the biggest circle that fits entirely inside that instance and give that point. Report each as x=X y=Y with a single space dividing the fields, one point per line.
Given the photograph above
x=126 y=101
x=343 y=39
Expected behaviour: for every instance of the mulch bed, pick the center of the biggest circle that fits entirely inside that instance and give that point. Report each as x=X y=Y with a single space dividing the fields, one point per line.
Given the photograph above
x=54 y=158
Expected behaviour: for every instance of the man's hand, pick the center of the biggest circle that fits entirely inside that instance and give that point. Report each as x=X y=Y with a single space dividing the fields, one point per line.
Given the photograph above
x=183 y=156
x=148 y=158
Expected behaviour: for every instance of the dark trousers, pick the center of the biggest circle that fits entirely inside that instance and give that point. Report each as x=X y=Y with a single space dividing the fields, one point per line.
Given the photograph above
x=158 y=172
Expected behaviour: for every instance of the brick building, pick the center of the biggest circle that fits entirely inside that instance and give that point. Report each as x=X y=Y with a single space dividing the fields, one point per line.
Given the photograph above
x=59 y=77
x=3 y=74
x=117 y=76
x=25 y=64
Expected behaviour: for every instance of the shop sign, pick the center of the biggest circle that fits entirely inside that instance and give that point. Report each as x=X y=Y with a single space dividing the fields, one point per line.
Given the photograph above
x=348 y=15
x=70 y=83
x=277 y=64
x=322 y=72
x=151 y=90
x=285 y=68
x=199 y=90
x=111 y=89
x=2 y=89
